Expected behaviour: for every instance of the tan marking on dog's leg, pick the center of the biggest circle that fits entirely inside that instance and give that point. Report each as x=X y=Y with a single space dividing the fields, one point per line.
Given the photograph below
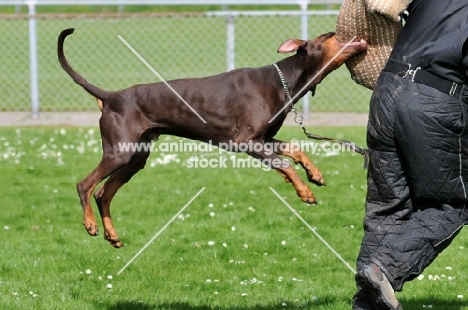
x=110 y=234
x=302 y=190
x=100 y=104
x=89 y=221
x=103 y=198
x=299 y=157
x=86 y=187
x=106 y=193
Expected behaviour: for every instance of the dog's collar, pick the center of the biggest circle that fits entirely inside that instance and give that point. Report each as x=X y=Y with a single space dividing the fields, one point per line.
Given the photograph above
x=285 y=86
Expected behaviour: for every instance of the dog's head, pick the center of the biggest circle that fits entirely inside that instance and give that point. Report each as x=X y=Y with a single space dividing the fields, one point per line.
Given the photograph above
x=323 y=54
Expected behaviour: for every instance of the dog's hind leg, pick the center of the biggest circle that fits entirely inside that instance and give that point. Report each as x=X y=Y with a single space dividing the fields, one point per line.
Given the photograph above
x=113 y=158
x=85 y=188
x=299 y=157
x=104 y=195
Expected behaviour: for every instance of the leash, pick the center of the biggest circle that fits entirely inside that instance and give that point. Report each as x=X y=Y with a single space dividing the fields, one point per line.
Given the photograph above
x=298 y=118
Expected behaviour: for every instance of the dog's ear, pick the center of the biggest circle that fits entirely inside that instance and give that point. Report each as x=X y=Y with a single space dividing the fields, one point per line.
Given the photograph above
x=291 y=45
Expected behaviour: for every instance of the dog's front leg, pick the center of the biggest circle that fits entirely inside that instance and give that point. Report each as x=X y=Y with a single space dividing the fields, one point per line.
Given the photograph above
x=299 y=157
x=303 y=191
x=287 y=171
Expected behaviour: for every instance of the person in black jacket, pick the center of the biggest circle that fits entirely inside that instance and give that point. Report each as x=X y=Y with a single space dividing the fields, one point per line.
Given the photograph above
x=418 y=142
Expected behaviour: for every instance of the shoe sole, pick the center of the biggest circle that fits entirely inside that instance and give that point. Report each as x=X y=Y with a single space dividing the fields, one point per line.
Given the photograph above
x=370 y=282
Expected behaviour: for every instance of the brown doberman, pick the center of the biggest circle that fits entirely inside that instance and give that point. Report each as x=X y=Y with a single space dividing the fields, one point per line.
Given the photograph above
x=243 y=106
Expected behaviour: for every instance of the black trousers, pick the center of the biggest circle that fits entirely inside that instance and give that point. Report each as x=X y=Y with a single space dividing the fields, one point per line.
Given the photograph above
x=418 y=176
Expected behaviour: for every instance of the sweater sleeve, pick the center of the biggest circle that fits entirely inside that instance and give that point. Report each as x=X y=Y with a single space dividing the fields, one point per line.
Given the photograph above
x=392 y=9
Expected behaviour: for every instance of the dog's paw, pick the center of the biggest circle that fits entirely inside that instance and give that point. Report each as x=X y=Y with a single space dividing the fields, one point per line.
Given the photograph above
x=317 y=181
x=315 y=177
x=307 y=196
x=310 y=201
x=92 y=229
x=115 y=242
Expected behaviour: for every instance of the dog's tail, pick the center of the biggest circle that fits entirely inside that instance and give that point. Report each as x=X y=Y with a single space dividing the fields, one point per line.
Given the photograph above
x=97 y=92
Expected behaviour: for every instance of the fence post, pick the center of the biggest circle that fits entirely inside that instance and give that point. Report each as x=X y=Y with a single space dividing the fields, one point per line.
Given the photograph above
x=304 y=36
x=120 y=7
x=230 y=42
x=33 y=61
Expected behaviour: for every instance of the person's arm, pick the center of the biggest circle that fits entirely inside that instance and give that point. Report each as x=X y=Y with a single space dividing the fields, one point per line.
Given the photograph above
x=392 y=9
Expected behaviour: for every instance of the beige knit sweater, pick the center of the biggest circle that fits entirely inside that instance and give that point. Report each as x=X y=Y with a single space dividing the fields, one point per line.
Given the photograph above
x=391 y=9
x=379 y=23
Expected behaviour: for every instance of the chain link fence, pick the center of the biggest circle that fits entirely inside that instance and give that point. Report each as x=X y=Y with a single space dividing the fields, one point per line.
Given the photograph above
x=175 y=45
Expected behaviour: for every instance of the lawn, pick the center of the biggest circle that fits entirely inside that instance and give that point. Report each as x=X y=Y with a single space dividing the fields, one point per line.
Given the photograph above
x=236 y=246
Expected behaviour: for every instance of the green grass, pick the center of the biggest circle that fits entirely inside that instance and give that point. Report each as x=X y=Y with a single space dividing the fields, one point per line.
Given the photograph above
x=45 y=252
